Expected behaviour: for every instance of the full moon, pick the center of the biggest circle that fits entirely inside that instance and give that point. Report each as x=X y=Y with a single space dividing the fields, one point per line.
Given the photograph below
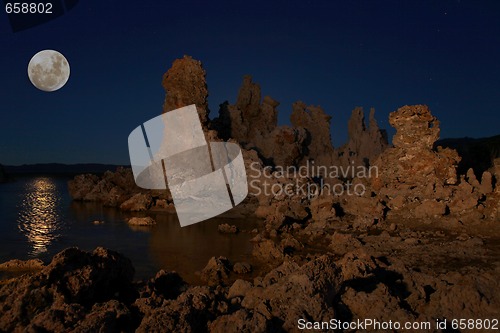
x=48 y=70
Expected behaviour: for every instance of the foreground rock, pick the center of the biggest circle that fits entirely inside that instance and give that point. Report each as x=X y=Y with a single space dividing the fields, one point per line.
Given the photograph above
x=21 y=265
x=93 y=291
x=216 y=272
x=71 y=293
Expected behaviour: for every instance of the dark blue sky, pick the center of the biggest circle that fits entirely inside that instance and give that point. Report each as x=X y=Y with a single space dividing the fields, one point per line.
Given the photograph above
x=337 y=54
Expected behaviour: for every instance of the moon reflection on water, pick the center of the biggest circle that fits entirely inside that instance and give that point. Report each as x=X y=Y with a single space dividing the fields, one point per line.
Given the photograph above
x=39 y=219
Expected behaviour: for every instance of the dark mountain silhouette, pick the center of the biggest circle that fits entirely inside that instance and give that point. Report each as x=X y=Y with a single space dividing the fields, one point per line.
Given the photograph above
x=476 y=153
x=59 y=169
x=3 y=175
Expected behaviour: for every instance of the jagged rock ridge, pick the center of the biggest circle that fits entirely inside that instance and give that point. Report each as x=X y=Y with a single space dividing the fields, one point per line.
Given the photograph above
x=412 y=178
x=254 y=124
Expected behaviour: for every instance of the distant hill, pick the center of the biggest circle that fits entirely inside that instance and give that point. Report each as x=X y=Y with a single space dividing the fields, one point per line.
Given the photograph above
x=3 y=175
x=476 y=153
x=59 y=169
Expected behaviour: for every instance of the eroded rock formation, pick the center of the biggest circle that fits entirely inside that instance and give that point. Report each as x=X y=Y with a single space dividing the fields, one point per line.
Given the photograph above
x=365 y=143
x=412 y=168
x=185 y=84
x=118 y=189
x=254 y=125
x=316 y=123
x=424 y=181
x=412 y=178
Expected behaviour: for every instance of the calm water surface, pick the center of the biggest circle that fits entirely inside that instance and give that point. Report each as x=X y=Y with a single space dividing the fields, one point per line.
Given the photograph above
x=38 y=219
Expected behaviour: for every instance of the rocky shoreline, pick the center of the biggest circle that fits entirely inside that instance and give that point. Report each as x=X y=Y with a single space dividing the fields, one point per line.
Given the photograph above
x=419 y=243
x=388 y=271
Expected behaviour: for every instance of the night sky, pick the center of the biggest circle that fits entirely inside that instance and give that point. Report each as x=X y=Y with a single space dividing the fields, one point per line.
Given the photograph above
x=337 y=54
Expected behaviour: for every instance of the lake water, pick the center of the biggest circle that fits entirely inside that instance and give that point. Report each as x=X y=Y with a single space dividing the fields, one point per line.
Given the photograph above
x=39 y=219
